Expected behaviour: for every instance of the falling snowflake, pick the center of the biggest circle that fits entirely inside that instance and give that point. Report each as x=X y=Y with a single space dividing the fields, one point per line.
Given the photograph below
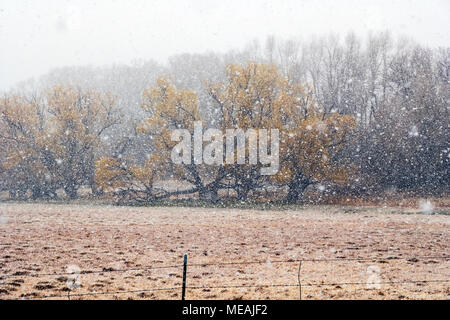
x=426 y=206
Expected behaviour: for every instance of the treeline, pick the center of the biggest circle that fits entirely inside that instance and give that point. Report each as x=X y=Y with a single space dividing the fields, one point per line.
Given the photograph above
x=364 y=116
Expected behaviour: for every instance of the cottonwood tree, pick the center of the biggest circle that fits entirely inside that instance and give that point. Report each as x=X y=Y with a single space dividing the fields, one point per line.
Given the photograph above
x=128 y=180
x=23 y=152
x=168 y=109
x=247 y=99
x=77 y=121
x=50 y=139
x=256 y=96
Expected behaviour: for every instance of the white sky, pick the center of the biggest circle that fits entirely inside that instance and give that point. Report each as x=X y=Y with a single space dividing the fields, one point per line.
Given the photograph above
x=36 y=36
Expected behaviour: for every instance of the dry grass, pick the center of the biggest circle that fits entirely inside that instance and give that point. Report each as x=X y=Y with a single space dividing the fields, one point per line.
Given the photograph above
x=46 y=238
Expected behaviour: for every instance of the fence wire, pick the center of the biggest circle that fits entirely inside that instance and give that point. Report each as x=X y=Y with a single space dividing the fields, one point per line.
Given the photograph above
x=69 y=295
x=207 y=264
x=300 y=285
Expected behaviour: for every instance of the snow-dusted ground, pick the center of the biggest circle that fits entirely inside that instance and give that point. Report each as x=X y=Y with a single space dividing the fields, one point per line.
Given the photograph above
x=47 y=238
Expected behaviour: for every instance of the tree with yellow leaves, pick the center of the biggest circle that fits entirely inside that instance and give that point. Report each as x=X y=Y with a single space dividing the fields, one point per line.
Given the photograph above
x=309 y=147
x=256 y=96
x=126 y=180
x=49 y=141
x=77 y=121
x=21 y=123
x=170 y=108
x=247 y=100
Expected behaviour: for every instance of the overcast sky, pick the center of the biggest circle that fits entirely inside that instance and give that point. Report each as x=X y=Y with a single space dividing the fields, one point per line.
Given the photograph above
x=36 y=36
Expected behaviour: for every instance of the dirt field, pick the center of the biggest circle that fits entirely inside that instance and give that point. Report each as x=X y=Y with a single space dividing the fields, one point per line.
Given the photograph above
x=47 y=238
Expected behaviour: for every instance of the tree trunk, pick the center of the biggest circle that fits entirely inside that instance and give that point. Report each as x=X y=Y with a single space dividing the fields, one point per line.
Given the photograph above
x=13 y=194
x=71 y=191
x=209 y=194
x=36 y=193
x=296 y=189
x=242 y=192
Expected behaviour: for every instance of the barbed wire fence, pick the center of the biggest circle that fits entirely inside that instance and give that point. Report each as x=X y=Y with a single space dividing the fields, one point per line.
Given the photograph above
x=183 y=286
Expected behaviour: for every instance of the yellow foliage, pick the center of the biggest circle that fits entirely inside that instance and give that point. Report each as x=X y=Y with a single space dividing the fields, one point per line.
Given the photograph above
x=117 y=174
x=257 y=96
x=109 y=173
x=52 y=137
x=169 y=108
